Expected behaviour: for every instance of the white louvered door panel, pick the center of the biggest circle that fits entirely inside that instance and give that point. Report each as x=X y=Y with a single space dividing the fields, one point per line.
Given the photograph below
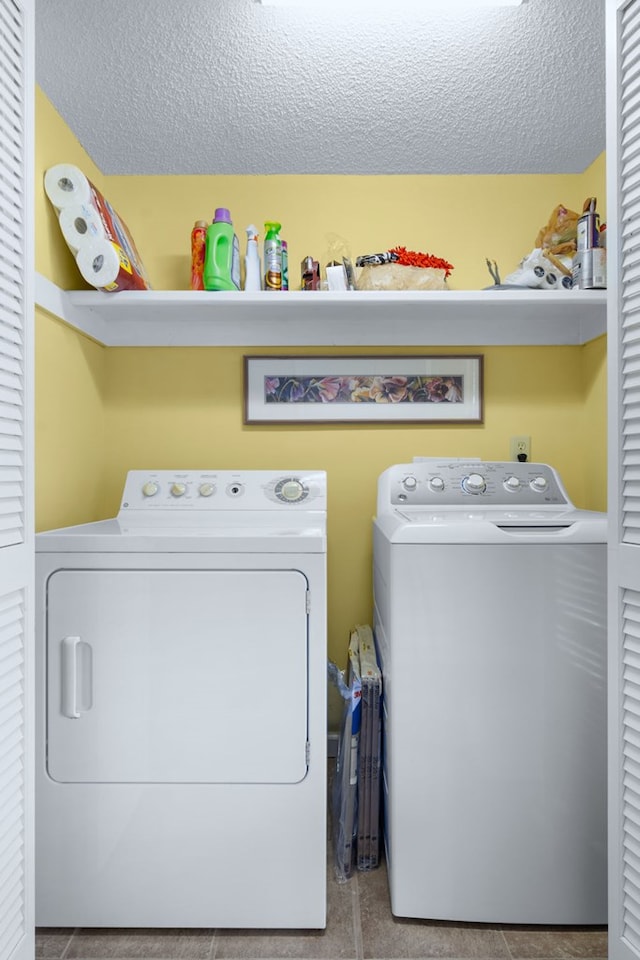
x=12 y=268
x=12 y=771
x=623 y=229
x=631 y=767
x=16 y=480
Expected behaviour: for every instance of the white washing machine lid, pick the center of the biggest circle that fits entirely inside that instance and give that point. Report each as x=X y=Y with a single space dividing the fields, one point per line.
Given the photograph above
x=497 y=526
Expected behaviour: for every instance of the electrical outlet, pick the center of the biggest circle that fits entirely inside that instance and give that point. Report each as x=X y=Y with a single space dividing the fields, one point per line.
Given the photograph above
x=520 y=446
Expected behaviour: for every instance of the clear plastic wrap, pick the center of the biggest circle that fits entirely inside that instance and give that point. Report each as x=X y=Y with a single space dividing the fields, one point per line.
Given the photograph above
x=396 y=276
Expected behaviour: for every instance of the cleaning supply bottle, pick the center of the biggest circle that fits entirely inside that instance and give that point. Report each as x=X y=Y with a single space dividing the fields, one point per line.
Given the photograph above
x=198 y=241
x=222 y=254
x=272 y=256
x=285 y=265
x=252 y=276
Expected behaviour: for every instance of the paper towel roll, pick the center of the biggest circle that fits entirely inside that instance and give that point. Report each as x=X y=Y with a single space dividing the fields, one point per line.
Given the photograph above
x=81 y=223
x=100 y=239
x=105 y=265
x=98 y=263
x=65 y=185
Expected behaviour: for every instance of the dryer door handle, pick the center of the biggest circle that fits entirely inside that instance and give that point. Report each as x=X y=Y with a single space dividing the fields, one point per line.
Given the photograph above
x=76 y=677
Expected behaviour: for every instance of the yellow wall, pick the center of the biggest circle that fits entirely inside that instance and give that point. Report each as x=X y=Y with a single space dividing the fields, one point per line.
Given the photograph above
x=594 y=411
x=464 y=219
x=71 y=452
x=593 y=182
x=183 y=406
x=126 y=408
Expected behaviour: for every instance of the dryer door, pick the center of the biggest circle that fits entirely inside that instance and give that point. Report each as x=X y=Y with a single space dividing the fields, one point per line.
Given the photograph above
x=177 y=676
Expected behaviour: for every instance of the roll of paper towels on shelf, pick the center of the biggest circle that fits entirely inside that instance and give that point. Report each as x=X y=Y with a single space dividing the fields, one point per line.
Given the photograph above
x=95 y=233
x=81 y=223
x=65 y=185
x=106 y=266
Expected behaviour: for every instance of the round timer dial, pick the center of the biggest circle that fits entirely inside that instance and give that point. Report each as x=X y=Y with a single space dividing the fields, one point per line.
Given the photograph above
x=474 y=483
x=291 y=490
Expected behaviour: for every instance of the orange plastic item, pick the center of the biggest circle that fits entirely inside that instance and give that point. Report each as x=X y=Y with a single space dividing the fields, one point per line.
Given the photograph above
x=198 y=239
x=410 y=258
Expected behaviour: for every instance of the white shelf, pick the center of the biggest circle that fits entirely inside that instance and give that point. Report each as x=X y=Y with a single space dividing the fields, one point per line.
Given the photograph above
x=444 y=318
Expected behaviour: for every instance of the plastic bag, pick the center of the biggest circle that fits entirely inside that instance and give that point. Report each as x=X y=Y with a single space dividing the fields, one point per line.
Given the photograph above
x=395 y=276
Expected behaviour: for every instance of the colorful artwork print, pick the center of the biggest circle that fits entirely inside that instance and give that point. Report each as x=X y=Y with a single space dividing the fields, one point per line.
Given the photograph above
x=364 y=388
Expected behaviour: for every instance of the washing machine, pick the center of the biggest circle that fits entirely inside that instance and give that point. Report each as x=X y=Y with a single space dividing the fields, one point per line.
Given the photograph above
x=181 y=723
x=490 y=624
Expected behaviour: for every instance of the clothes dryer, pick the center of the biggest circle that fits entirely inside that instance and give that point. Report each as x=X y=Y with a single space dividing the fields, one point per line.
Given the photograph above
x=181 y=723
x=490 y=624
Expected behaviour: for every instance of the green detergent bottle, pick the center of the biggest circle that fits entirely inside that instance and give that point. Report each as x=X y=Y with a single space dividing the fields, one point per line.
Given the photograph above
x=222 y=254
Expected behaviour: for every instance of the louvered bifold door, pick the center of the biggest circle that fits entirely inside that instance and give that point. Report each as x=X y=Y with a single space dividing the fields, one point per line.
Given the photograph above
x=16 y=480
x=623 y=307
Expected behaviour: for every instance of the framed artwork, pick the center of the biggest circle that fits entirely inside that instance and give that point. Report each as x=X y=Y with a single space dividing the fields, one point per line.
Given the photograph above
x=363 y=389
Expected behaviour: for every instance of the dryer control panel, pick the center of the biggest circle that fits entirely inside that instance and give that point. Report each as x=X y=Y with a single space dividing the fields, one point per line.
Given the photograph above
x=452 y=483
x=216 y=490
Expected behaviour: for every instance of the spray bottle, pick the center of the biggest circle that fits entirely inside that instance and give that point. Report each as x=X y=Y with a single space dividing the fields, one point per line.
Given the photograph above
x=252 y=277
x=272 y=257
x=222 y=254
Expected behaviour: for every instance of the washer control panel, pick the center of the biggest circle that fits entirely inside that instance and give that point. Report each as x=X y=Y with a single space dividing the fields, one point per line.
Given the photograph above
x=179 y=490
x=462 y=483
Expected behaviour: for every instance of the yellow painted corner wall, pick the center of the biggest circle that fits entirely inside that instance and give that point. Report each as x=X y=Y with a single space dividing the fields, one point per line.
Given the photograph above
x=102 y=412
x=594 y=437
x=69 y=424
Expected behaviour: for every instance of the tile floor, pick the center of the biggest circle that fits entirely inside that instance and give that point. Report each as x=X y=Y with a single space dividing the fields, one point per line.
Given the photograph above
x=360 y=926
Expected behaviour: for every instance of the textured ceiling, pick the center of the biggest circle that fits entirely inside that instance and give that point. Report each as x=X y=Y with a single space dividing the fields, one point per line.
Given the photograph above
x=229 y=86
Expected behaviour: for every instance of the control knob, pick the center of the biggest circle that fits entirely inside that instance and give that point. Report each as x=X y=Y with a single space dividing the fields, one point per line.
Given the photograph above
x=512 y=484
x=410 y=483
x=291 y=490
x=436 y=484
x=178 y=489
x=206 y=489
x=539 y=484
x=150 y=488
x=474 y=483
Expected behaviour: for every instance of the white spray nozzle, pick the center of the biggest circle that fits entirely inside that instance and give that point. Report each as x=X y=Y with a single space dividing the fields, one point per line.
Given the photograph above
x=252 y=232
